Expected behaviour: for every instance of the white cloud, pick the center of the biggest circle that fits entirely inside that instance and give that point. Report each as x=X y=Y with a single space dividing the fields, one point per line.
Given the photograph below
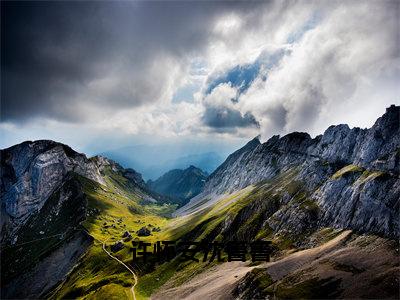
x=340 y=65
x=327 y=70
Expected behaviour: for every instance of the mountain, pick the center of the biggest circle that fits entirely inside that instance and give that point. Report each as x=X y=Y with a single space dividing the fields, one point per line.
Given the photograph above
x=142 y=158
x=55 y=203
x=351 y=175
x=208 y=161
x=328 y=205
x=180 y=184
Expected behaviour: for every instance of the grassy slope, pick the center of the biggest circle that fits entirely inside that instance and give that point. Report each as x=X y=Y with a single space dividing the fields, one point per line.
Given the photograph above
x=116 y=205
x=201 y=224
x=121 y=207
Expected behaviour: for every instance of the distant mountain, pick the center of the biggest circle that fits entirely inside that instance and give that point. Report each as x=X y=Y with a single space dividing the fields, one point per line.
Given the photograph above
x=208 y=161
x=154 y=161
x=180 y=185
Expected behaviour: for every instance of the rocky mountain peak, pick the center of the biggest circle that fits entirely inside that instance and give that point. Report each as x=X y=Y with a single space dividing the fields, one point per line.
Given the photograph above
x=252 y=143
x=351 y=174
x=34 y=170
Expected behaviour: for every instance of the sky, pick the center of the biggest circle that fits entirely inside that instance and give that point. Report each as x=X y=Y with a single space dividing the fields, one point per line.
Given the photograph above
x=200 y=75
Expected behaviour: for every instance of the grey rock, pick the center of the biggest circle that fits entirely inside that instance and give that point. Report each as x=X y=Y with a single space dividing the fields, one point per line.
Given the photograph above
x=156 y=229
x=144 y=231
x=36 y=282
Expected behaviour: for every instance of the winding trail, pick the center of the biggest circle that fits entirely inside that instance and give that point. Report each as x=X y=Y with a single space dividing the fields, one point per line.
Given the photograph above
x=129 y=269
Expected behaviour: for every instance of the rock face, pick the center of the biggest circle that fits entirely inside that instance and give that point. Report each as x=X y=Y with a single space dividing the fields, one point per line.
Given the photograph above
x=43 y=197
x=180 y=185
x=375 y=148
x=32 y=171
x=32 y=268
x=49 y=272
x=351 y=175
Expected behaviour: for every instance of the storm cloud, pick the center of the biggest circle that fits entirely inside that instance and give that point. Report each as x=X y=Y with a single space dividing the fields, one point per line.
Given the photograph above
x=197 y=68
x=67 y=60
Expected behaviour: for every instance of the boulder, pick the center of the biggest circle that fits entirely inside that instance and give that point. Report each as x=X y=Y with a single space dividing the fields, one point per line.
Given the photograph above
x=144 y=231
x=117 y=246
x=126 y=235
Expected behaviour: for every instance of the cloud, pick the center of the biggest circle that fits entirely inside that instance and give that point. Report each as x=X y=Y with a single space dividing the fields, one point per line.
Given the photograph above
x=68 y=61
x=221 y=113
x=226 y=68
x=323 y=75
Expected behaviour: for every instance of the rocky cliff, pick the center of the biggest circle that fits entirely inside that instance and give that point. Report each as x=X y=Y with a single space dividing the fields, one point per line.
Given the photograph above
x=351 y=175
x=31 y=172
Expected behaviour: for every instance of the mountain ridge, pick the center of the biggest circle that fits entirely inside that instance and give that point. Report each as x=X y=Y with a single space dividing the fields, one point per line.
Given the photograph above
x=371 y=155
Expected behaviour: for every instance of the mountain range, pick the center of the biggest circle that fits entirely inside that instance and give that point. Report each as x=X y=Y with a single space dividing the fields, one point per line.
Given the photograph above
x=329 y=205
x=154 y=161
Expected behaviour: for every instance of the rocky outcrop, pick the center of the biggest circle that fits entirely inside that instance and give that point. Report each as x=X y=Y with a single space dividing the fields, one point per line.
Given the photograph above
x=50 y=271
x=375 y=148
x=103 y=163
x=39 y=253
x=117 y=246
x=32 y=171
x=44 y=188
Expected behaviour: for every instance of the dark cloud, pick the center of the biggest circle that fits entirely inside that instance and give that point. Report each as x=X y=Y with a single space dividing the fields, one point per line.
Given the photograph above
x=54 y=54
x=48 y=54
x=226 y=119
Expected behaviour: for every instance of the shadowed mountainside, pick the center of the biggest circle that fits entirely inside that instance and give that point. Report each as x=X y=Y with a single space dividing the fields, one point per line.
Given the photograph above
x=181 y=185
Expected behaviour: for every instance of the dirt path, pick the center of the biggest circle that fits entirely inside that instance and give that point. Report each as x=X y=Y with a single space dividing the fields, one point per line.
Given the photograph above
x=129 y=269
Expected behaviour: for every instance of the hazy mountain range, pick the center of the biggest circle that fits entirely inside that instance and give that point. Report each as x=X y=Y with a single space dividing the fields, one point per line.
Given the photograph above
x=328 y=204
x=154 y=161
